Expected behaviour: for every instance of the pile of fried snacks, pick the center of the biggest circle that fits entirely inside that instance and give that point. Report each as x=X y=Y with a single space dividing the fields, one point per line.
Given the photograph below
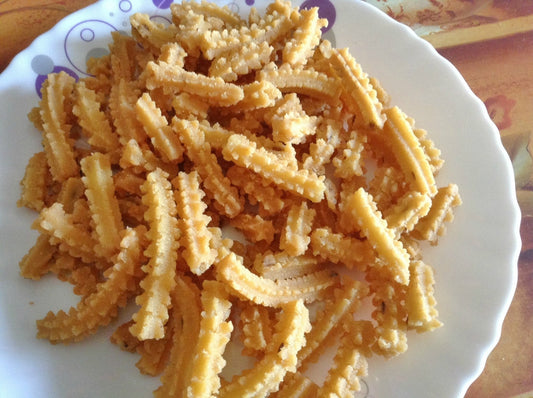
x=258 y=126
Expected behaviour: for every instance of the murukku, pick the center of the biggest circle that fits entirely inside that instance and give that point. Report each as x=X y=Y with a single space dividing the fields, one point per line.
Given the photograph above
x=193 y=223
x=71 y=190
x=256 y=326
x=420 y=301
x=100 y=307
x=162 y=252
x=225 y=195
x=433 y=224
x=301 y=81
x=267 y=374
x=34 y=183
x=157 y=128
x=282 y=265
x=295 y=237
x=339 y=248
x=269 y=198
x=174 y=79
x=100 y=192
x=64 y=233
x=36 y=262
x=186 y=315
x=221 y=171
x=305 y=38
x=350 y=365
x=93 y=120
x=213 y=336
x=58 y=146
x=245 y=153
x=409 y=152
x=244 y=283
x=290 y=124
x=344 y=303
x=151 y=35
x=359 y=93
x=365 y=214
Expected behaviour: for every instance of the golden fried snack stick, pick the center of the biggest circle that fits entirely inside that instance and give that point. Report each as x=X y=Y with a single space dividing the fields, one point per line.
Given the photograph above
x=122 y=59
x=256 y=329
x=363 y=211
x=290 y=124
x=213 y=336
x=127 y=183
x=254 y=227
x=62 y=230
x=58 y=146
x=215 y=134
x=358 y=92
x=164 y=242
x=245 y=153
x=282 y=265
x=301 y=81
x=36 y=262
x=193 y=223
x=433 y=224
x=319 y=155
x=85 y=279
x=135 y=156
x=296 y=385
x=386 y=186
x=164 y=140
x=155 y=353
x=349 y=161
x=305 y=38
x=34 y=183
x=100 y=192
x=124 y=339
x=339 y=248
x=244 y=283
x=344 y=303
x=274 y=24
x=409 y=152
x=250 y=56
x=186 y=315
x=122 y=100
x=265 y=377
x=295 y=236
x=217 y=186
x=182 y=11
x=349 y=366
x=391 y=315
x=101 y=307
x=34 y=116
x=420 y=301
x=405 y=214
x=151 y=35
x=187 y=106
x=174 y=79
x=256 y=95
x=71 y=190
x=257 y=189
x=433 y=153
x=93 y=120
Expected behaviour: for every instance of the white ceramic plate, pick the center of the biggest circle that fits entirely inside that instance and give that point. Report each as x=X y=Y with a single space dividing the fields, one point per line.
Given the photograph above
x=475 y=263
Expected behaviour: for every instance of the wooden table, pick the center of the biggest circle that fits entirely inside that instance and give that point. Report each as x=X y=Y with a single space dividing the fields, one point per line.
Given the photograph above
x=494 y=52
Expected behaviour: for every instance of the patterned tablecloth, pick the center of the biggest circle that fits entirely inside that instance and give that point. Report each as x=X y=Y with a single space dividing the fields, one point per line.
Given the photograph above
x=491 y=44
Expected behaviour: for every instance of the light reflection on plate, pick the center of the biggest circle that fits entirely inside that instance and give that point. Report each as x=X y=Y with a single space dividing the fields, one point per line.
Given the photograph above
x=475 y=263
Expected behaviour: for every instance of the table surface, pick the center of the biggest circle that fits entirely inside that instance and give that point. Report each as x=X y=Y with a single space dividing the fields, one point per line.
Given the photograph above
x=493 y=49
